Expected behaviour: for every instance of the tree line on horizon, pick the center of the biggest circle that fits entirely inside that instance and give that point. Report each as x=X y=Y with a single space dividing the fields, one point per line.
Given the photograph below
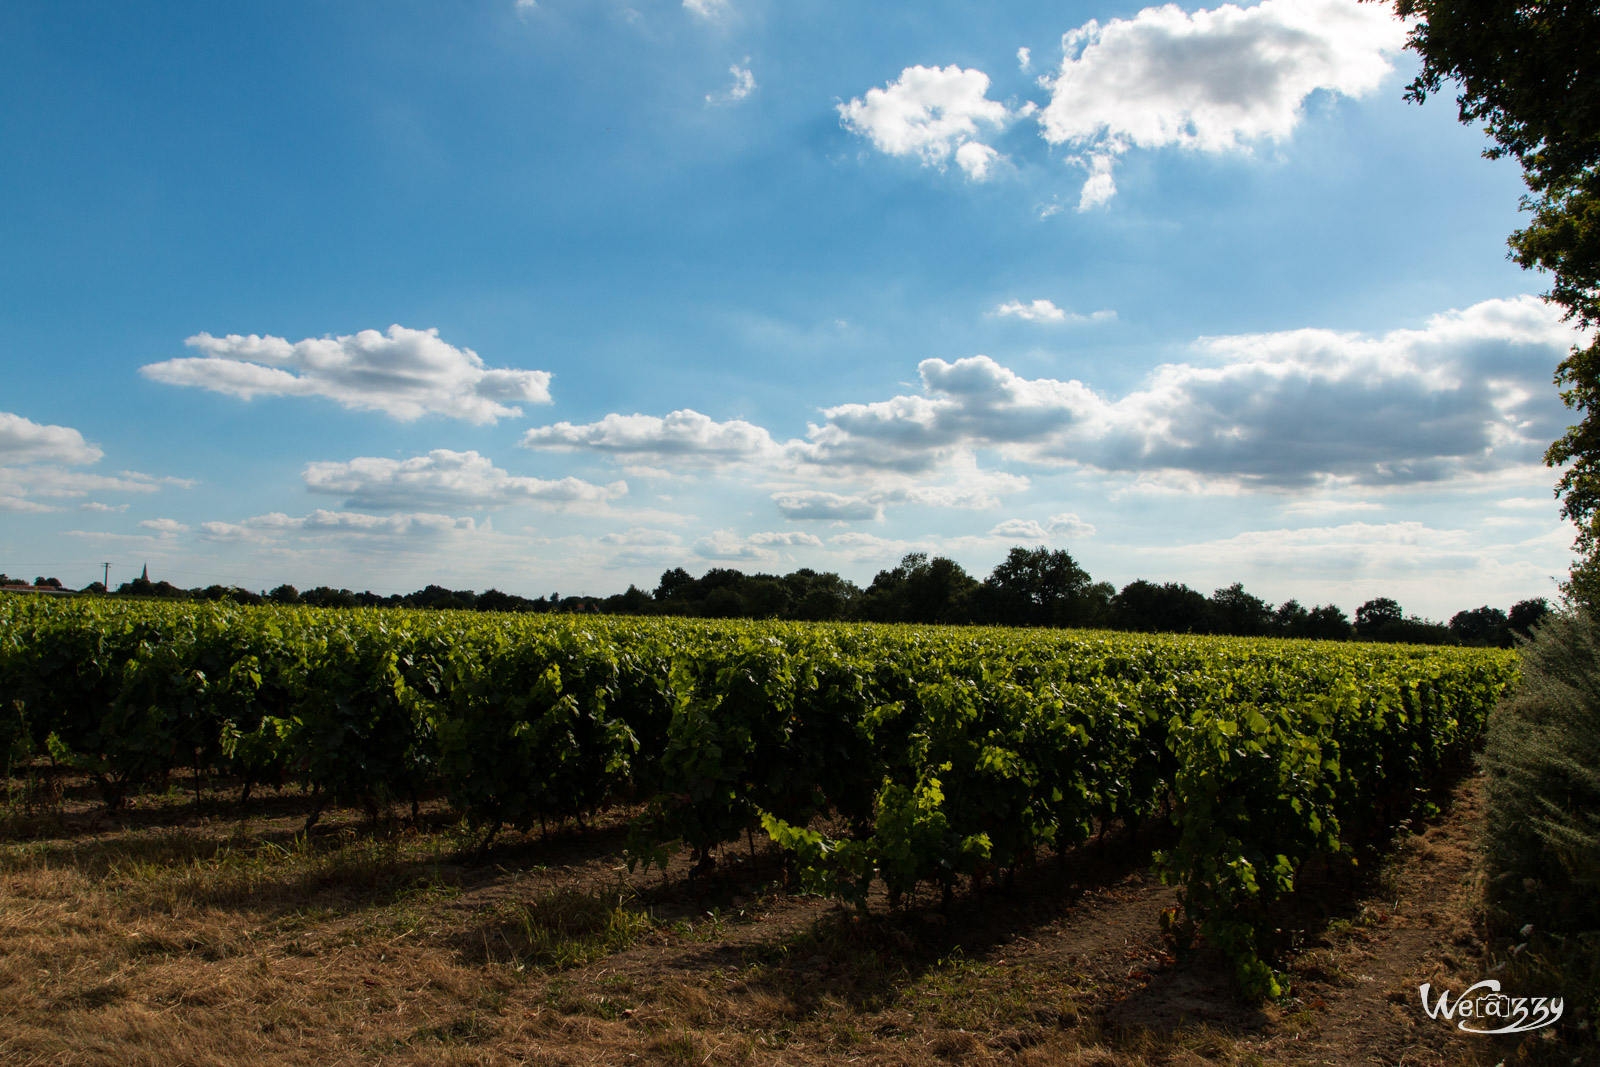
x=1030 y=587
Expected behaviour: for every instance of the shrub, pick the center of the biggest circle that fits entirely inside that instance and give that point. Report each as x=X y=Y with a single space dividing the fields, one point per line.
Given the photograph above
x=1543 y=793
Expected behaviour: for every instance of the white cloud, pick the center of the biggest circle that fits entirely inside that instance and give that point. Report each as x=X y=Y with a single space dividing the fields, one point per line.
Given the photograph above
x=33 y=468
x=95 y=505
x=1057 y=527
x=1467 y=393
x=1024 y=59
x=1216 y=81
x=744 y=83
x=321 y=524
x=858 y=547
x=789 y=538
x=757 y=547
x=25 y=441
x=1037 y=311
x=819 y=504
x=641 y=537
x=708 y=9
x=446 y=479
x=1046 y=311
x=975 y=159
x=965 y=487
x=403 y=373
x=932 y=113
x=1101 y=185
x=164 y=527
x=683 y=437
x=1068 y=525
x=726 y=544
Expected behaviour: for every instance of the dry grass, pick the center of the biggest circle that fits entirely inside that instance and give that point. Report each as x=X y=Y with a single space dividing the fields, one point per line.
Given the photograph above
x=178 y=934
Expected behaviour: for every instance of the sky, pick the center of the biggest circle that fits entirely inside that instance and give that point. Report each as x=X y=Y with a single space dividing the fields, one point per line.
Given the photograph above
x=556 y=296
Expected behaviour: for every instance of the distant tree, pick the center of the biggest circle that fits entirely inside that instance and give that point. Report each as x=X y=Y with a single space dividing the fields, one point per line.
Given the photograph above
x=1036 y=587
x=1171 y=607
x=1526 y=614
x=723 y=602
x=673 y=583
x=1237 y=612
x=633 y=602
x=438 y=598
x=920 y=590
x=1381 y=619
x=1376 y=614
x=1481 y=626
x=327 y=597
x=495 y=600
x=818 y=597
x=284 y=594
x=1289 y=620
x=1326 y=622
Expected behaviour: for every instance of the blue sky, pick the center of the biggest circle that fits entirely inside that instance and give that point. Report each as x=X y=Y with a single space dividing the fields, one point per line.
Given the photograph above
x=552 y=297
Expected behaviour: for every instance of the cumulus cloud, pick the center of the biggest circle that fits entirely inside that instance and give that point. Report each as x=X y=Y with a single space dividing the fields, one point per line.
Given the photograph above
x=1057 y=527
x=404 y=373
x=820 y=504
x=1466 y=393
x=1216 y=81
x=164 y=527
x=35 y=462
x=322 y=524
x=1037 y=311
x=1046 y=311
x=744 y=83
x=25 y=441
x=932 y=113
x=684 y=437
x=446 y=479
x=1024 y=59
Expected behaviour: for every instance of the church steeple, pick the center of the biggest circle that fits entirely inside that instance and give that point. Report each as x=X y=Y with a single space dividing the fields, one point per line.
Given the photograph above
x=144 y=575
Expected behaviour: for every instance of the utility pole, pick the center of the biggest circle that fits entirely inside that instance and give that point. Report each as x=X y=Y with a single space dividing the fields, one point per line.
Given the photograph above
x=106 y=582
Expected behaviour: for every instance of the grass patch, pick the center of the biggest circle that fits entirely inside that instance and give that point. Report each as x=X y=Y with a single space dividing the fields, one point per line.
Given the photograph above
x=564 y=928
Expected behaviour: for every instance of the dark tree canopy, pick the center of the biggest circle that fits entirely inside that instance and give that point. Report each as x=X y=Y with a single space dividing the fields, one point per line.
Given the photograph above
x=1237 y=612
x=920 y=589
x=1037 y=587
x=1171 y=607
x=1377 y=613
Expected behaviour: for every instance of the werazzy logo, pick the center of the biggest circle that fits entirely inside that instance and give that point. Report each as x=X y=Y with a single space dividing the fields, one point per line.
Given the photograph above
x=1483 y=1006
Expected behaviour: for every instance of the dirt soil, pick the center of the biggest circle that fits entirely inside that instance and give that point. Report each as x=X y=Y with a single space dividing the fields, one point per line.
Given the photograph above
x=175 y=932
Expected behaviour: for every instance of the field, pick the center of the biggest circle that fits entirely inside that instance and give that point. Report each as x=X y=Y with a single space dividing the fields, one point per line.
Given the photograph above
x=237 y=836
x=181 y=933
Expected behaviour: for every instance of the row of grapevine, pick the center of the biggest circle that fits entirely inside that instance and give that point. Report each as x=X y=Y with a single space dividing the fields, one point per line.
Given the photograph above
x=942 y=752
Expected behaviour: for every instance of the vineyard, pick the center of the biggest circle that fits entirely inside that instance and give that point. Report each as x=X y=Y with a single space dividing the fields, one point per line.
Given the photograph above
x=903 y=756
